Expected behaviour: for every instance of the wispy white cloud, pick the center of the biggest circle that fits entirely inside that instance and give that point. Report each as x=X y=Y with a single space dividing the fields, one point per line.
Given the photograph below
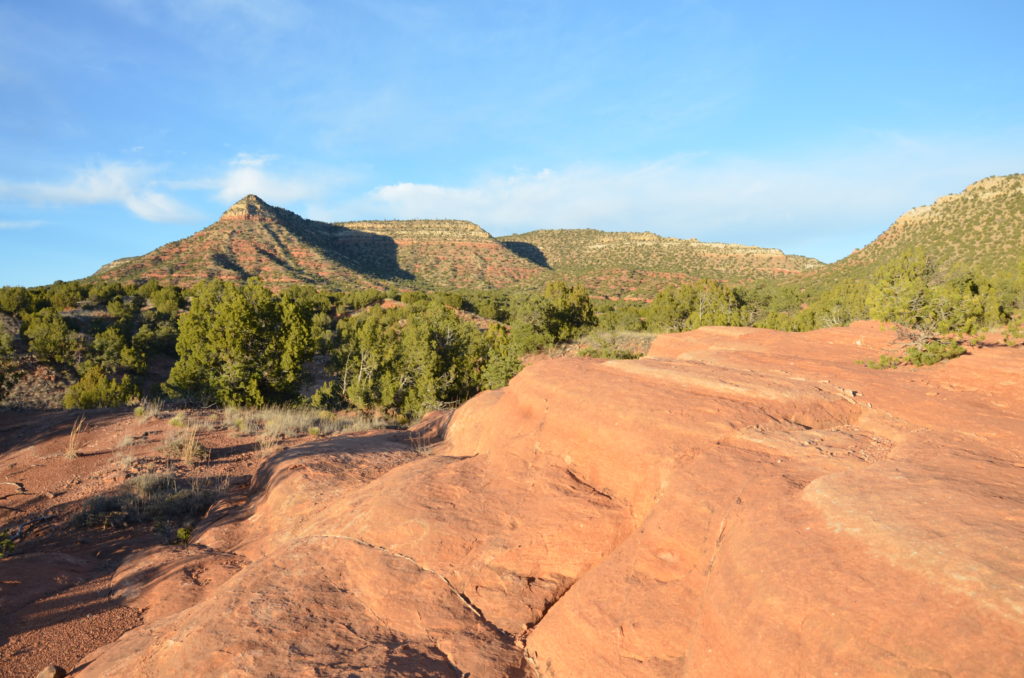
x=132 y=186
x=822 y=205
x=150 y=194
x=248 y=173
x=10 y=225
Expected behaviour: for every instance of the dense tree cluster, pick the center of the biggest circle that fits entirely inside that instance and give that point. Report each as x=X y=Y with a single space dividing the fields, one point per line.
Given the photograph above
x=244 y=344
x=229 y=344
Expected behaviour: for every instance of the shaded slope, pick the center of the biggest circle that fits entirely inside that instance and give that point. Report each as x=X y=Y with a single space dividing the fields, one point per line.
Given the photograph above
x=254 y=239
x=619 y=263
x=449 y=253
x=742 y=502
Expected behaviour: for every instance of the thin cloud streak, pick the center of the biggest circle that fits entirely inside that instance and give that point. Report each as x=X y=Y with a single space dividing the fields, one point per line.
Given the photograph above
x=130 y=186
x=248 y=173
x=275 y=14
x=12 y=225
x=787 y=204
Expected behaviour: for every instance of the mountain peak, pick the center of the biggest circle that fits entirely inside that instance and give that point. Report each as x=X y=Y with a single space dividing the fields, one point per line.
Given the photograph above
x=248 y=208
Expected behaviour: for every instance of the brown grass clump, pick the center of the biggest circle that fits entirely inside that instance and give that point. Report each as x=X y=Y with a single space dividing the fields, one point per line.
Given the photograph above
x=185 y=446
x=150 y=497
x=71 y=449
x=274 y=425
x=147 y=409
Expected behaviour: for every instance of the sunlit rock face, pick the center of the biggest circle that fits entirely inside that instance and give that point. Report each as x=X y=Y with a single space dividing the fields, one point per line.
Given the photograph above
x=741 y=502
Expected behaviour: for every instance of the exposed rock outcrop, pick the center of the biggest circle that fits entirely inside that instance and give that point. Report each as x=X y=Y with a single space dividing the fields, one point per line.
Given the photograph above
x=741 y=502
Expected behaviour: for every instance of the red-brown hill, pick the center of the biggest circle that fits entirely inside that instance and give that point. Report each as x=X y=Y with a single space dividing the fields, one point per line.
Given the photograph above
x=253 y=238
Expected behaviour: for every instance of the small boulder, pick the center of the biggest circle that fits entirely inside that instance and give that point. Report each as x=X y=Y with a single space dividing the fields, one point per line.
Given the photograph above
x=52 y=671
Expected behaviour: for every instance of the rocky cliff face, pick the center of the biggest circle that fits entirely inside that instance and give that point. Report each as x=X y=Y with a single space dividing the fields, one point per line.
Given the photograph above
x=741 y=502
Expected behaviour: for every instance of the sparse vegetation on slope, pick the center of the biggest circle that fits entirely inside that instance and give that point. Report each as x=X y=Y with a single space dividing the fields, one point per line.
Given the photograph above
x=979 y=230
x=281 y=248
x=640 y=264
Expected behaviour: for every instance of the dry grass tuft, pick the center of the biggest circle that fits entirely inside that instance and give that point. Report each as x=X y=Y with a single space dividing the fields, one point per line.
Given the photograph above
x=151 y=497
x=147 y=409
x=613 y=344
x=71 y=450
x=185 y=446
x=124 y=461
x=274 y=425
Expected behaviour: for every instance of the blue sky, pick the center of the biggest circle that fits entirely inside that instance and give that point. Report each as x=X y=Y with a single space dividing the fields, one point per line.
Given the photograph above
x=808 y=126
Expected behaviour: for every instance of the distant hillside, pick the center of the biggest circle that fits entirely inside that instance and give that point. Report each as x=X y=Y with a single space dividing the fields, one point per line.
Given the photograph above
x=980 y=229
x=642 y=263
x=445 y=253
x=253 y=238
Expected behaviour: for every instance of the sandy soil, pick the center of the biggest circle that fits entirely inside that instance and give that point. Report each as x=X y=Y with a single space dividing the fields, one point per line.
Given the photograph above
x=55 y=588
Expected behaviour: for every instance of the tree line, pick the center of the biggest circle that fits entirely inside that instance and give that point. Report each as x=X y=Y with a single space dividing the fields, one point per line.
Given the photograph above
x=223 y=343
x=245 y=345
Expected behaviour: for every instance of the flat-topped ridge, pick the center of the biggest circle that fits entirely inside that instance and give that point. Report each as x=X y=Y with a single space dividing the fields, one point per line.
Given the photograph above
x=420 y=229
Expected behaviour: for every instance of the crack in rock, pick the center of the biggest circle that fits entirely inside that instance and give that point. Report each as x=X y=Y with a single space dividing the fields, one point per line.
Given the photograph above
x=461 y=596
x=587 y=485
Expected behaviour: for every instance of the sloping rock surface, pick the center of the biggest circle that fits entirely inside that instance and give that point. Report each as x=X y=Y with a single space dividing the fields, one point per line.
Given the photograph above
x=739 y=503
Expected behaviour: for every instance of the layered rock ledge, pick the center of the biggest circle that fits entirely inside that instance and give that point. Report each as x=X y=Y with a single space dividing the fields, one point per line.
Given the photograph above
x=739 y=503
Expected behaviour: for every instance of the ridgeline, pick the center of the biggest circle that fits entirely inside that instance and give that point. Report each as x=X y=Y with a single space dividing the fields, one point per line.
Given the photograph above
x=254 y=239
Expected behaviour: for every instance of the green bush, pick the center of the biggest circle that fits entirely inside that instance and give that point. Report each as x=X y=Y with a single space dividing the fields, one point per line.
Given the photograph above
x=934 y=351
x=928 y=352
x=407 y=361
x=6 y=545
x=884 y=362
x=9 y=372
x=240 y=345
x=166 y=301
x=66 y=294
x=705 y=302
x=183 y=536
x=16 y=300
x=97 y=389
x=50 y=338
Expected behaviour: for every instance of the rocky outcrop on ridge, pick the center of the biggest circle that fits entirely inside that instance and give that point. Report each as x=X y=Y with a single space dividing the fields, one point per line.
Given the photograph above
x=741 y=502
